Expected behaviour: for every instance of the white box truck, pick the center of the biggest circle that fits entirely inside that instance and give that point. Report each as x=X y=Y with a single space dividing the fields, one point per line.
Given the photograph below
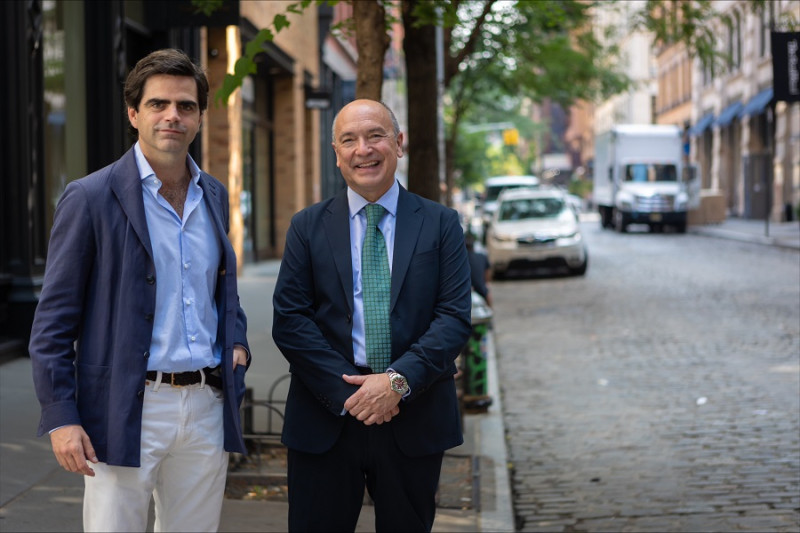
x=639 y=178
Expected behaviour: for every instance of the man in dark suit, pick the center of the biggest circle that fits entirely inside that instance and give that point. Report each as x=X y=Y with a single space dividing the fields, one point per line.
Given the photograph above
x=349 y=424
x=139 y=344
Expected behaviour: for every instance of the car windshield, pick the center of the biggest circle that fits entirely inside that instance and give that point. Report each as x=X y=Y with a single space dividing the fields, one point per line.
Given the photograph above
x=644 y=172
x=526 y=208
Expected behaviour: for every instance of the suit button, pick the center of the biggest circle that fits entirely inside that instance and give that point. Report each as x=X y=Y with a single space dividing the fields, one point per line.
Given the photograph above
x=149 y=317
x=140 y=394
x=349 y=318
x=150 y=279
x=147 y=355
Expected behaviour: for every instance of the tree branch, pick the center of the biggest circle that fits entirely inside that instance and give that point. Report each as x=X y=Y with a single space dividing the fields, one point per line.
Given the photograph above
x=451 y=63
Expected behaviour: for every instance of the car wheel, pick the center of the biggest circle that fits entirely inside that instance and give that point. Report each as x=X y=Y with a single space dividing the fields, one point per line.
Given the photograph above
x=580 y=270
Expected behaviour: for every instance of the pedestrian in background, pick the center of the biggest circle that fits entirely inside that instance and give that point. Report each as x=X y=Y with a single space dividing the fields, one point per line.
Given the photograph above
x=138 y=344
x=480 y=271
x=371 y=339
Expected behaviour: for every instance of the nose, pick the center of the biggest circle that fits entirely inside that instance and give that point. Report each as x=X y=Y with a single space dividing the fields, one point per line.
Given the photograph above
x=172 y=114
x=362 y=145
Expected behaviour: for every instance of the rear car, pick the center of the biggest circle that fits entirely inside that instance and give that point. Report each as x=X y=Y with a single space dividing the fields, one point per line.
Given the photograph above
x=535 y=228
x=497 y=184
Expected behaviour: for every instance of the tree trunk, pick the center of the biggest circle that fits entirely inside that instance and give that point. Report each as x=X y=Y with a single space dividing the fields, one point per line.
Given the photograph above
x=372 y=41
x=419 y=46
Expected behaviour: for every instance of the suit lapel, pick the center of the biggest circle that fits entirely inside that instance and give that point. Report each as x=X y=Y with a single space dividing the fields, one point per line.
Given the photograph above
x=127 y=187
x=336 y=224
x=406 y=232
x=211 y=196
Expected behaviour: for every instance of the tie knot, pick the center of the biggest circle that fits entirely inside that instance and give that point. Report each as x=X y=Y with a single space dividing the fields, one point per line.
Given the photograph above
x=374 y=213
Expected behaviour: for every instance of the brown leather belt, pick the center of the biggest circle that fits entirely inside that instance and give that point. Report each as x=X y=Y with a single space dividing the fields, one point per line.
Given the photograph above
x=182 y=379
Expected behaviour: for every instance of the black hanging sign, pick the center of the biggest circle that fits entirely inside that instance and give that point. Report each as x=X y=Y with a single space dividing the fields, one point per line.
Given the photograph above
x=785 y=67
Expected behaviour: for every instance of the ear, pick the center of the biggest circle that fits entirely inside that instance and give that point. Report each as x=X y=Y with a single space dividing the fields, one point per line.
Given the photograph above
x=132 y=117
x=400 y=145
x=338 y=163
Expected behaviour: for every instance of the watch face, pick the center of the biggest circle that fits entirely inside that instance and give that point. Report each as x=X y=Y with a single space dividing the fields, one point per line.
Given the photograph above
x=399 y=384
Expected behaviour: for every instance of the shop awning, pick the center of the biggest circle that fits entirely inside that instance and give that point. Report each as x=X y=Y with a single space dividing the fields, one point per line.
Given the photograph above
x=729 y=113
x=757 y=103
x=702 y=124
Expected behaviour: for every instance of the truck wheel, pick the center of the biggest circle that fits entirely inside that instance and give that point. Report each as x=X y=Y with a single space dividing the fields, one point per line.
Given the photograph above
x=620 y=223
x=680 y=227
x=605 y=217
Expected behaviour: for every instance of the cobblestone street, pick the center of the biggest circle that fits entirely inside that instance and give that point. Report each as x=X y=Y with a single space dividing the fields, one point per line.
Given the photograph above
x=660 y=392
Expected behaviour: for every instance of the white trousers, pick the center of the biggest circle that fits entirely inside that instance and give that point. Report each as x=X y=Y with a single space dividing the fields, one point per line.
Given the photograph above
x=183 y=467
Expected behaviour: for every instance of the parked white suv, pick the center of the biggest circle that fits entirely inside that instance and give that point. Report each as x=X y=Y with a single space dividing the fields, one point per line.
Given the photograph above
x=535 y=227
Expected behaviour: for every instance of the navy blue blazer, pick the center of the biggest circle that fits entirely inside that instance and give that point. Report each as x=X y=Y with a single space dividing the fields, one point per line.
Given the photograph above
x=94 y=320
x=430 y=317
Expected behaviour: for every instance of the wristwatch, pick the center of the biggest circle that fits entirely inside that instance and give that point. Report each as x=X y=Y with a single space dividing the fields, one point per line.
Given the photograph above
x=398 y=382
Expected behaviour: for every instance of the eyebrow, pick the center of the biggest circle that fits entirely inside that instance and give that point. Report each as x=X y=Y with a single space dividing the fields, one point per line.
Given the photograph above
x=378 y=129
x=165 y=101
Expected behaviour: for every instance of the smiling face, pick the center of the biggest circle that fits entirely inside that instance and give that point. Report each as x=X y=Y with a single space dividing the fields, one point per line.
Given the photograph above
x=168 y=117
x=367 y=148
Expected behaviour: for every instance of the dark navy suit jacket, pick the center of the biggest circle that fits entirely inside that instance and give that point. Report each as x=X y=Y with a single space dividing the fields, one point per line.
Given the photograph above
x=430 y=316
x=94 y=320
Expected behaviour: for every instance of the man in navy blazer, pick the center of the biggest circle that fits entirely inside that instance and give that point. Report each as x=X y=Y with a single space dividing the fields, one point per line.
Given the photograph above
x=346 y=425
x=138 y=344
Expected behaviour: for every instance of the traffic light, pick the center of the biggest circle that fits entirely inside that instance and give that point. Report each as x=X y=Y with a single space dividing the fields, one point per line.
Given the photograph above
x=511 y=137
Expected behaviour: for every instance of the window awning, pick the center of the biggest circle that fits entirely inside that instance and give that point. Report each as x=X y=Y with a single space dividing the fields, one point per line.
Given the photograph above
x=757 y=103
x=729 y=113
x=702 y=124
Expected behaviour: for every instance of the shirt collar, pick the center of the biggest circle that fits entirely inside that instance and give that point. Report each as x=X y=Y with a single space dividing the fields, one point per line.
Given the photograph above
x=356 y=202
x=145 y=170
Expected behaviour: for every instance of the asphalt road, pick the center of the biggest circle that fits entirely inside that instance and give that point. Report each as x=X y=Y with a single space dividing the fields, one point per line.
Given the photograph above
x=660 y=392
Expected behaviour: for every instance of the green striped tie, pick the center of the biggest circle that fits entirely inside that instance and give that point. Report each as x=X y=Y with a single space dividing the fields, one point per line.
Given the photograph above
x=376 y=285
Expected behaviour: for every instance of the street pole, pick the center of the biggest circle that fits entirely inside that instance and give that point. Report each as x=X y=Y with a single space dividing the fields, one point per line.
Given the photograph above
x=770 y=164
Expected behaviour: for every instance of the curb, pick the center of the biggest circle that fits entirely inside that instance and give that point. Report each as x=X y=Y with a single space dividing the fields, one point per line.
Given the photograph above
x=496 y=512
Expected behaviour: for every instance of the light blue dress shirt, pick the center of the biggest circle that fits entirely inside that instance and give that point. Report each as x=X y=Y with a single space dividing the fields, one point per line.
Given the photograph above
x=187 y=253
x=358 y=226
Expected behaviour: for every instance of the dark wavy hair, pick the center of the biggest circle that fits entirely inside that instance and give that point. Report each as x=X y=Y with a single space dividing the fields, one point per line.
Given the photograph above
x=167 y=61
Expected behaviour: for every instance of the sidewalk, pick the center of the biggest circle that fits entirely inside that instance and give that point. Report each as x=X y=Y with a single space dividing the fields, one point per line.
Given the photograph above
x=780 y=234
x=36 y=494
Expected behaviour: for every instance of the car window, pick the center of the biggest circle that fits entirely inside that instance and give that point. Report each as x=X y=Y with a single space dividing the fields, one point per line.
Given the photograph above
x=526 y=208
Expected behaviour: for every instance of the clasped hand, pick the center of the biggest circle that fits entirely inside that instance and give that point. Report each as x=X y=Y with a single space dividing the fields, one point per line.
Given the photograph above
x=374 y=402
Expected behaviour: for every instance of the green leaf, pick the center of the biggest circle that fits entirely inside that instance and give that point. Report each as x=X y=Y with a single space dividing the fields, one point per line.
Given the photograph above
x=255 y=46
x=244 y=66
x=229 y=84
x=280 y=22
x=206 y=7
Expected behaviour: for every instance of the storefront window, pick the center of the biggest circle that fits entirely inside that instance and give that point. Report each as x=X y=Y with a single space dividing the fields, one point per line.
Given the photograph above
x=257 y=193
x=64 y=103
